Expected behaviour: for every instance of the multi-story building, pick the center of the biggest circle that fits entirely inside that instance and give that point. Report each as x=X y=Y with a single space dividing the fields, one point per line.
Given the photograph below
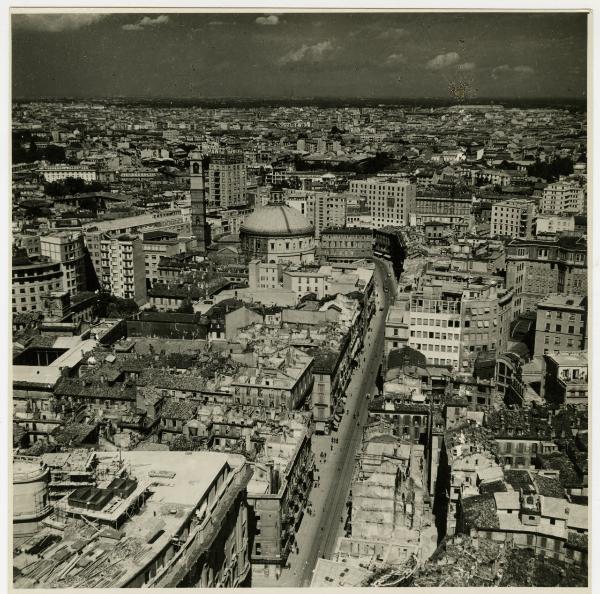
x=565 y=378
x=551 y=224
x=156 y=245
x=278 y=383
x=120 y=264
x=28 y=242
x=513 y=218
x=552 y=527
x=446 y=209
x=536 y=268
x=308 y=280
x=346 y=244
x=561 y=324
x=563 y=197
x=226 y=180
x=326 y=210
x=277 y=495
x=451 y=323
x=33 y=279
x=396 y=327
x=435 y=322
x=191 y=530
x=264 y=275
x=390 y=201
x=53 y=173
x=69 y=250
x=322 y=209
x=164 y=220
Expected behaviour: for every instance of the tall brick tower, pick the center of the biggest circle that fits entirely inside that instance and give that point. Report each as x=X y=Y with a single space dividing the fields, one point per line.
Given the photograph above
x=200 y=229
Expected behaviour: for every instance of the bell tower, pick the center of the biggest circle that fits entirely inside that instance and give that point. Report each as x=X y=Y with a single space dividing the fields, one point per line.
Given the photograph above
x=200 y=229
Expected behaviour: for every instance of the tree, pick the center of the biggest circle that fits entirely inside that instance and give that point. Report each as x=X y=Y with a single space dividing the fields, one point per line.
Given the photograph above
x=181 y=443
x=551 y=171
x=186 y=307
x=54 y=154
x=110 y=306
x=70 y=186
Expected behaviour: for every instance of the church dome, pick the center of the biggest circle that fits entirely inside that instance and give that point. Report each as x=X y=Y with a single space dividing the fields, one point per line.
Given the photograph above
x=276 y=220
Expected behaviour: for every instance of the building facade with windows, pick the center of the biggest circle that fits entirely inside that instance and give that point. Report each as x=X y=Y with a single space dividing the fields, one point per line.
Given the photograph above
x=226 y=181
x=563 y=197
x=69 y=250
x=346 y=244
x=120 y=264
x=33 y=279
x=561 y=324
x=391 y=201
x=513 y=218
x=536 y=268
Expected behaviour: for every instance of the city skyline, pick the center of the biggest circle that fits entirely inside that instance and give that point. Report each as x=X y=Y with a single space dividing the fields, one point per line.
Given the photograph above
x=300 y=55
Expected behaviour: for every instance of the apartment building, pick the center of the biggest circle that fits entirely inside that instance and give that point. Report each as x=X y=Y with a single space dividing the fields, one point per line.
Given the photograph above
x=69 y=250
x=441 y=208
x=561 y=324
x=120 y=264
x=323 y=209
x=563 y=197
x=396 y=327
x=54 y=173
x=435 y=325
x=157 y=245
x=536 y=268
x=33 y=279
x=327 y=210
x=565 y=378
x=451 y=323
x=346 y=244
x=277 y=495
x=265 y=275
x=513 y=218
x=551 y=224
x=391 y=201
x=226 y=181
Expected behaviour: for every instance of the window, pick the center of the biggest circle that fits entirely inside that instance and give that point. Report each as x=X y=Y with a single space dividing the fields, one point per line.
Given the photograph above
x=558 y=328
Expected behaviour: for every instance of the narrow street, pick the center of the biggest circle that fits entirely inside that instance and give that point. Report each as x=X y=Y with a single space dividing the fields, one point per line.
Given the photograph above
x=319 y=532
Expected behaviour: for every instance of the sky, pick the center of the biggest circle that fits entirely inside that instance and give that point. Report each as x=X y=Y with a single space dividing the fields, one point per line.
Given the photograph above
x=295 y=55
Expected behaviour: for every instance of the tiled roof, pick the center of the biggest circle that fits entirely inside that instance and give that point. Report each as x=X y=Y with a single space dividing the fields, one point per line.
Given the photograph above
x=480 y=512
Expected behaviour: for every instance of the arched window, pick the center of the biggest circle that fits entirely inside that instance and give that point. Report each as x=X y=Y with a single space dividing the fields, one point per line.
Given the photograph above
x=196 y=168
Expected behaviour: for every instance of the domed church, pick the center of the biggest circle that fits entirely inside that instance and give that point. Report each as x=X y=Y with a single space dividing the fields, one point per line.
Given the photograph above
x=277 y=233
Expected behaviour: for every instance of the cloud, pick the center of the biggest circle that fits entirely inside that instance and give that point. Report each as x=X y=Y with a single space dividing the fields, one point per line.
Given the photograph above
x=55 y=23
x=308 y=53
x=443 y=61
x=394 y=59
x=466 y=66
x=506 y=70
x=146 y=22
x=395 y=33
x=267 y=20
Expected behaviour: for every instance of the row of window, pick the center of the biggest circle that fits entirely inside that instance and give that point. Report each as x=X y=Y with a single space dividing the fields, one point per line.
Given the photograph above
x=438 y=348
x=443 y=323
